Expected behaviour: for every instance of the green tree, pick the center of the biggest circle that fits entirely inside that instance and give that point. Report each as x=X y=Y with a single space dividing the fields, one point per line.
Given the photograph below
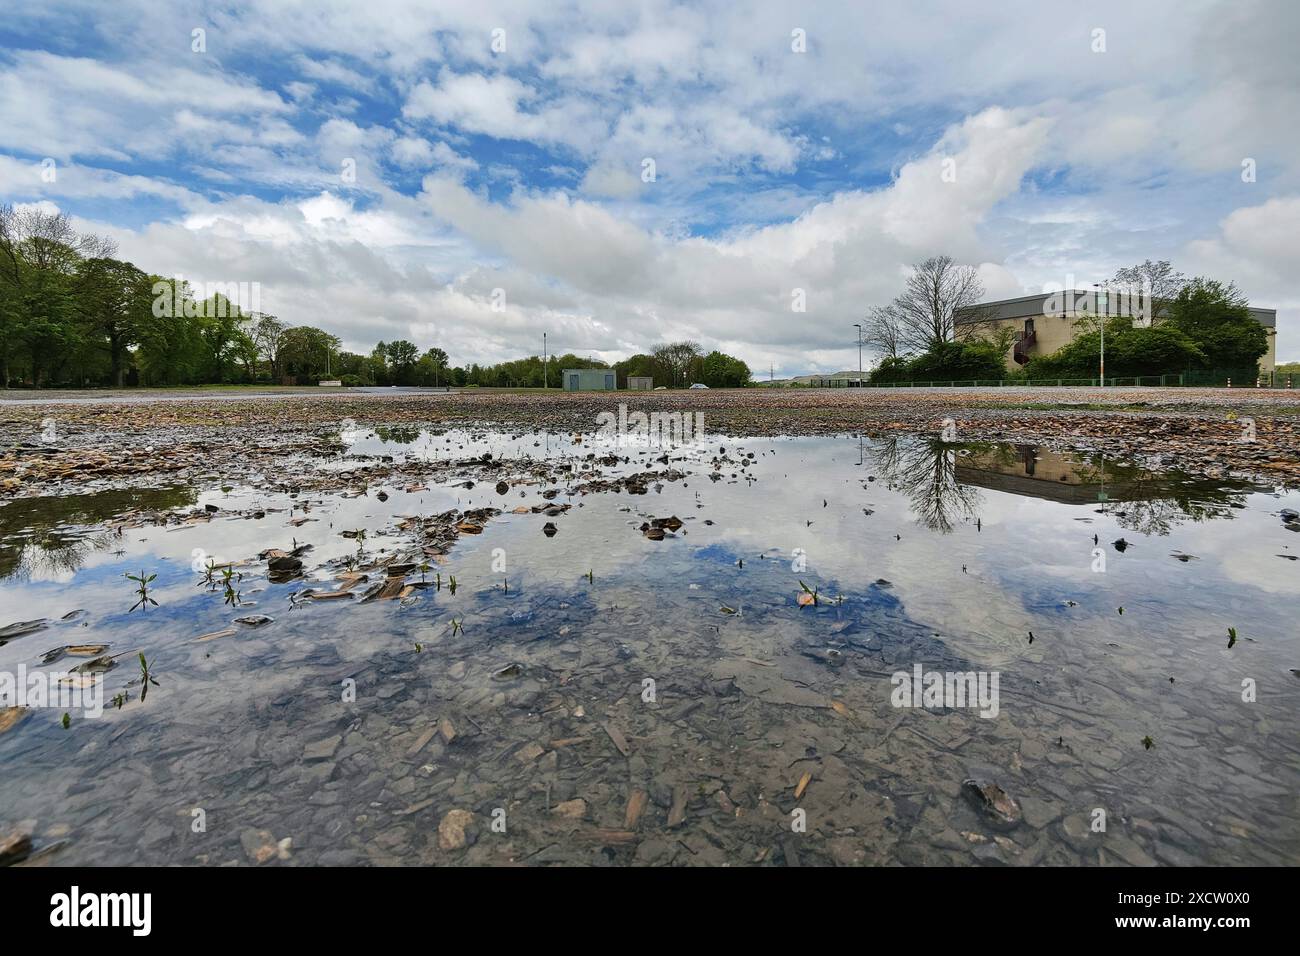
x=1215 y=318
x=115 y=303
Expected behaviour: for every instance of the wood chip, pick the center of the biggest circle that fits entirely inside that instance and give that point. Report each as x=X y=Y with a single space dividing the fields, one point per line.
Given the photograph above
x=619 y=740
x=635 y=807
x=677 y=814
x=803 y=784
x=447 y=729
x=606 y=836
x=420 y=742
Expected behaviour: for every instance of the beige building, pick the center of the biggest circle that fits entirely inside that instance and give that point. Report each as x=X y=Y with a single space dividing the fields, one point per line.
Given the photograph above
x=1043 y=323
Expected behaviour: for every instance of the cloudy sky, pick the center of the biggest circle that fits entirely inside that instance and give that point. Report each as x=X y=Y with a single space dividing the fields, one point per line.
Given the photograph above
x=627 y=173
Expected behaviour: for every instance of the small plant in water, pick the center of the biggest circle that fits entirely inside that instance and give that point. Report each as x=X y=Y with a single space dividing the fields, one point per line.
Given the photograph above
x=232 y=596
x=451 y=584
x=119 y=699
x=1147 y=742
x=142 y=589
x=67 y=721
x=456 y=626
x=146 y=677
x=591 y=577
x=1232 y=637
x=810 y=592
x=424 y=569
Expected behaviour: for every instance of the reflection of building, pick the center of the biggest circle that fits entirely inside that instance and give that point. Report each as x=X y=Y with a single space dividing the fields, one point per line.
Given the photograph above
x=1038 y=473
x=1045 y=322
x=589 y=379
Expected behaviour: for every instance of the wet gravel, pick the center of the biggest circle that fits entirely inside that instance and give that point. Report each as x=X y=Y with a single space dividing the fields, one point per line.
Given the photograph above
x=58 y=447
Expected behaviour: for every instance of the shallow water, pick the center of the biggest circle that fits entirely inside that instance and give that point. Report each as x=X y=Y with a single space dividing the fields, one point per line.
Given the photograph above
x=704 y=656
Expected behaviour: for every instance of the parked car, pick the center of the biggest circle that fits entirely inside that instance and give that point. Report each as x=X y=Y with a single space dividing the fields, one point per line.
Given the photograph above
x=699 y=385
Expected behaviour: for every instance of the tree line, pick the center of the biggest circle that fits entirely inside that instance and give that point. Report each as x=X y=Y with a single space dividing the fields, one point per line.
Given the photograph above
x=73 y=315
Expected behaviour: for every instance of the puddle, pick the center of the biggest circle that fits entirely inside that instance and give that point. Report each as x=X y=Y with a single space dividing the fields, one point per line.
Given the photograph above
x=604 y=695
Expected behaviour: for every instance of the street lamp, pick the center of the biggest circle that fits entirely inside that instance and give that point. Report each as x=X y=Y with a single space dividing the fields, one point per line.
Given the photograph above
x=1101 y=320
x=858 y=326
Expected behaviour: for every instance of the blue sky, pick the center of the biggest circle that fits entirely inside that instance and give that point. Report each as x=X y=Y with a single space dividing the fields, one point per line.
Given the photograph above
x=795 y=146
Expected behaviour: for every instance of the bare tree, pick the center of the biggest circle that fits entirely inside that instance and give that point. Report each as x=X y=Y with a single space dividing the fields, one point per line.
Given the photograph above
x=1155 y=279
x=923 y=316
x=881 y=331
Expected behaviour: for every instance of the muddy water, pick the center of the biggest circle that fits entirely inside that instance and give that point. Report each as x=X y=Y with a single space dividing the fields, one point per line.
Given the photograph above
x=570 y=675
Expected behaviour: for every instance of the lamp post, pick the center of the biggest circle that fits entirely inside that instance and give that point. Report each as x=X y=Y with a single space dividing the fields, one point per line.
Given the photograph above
x=1101 y=320
x=544 y=383
x=858 y=326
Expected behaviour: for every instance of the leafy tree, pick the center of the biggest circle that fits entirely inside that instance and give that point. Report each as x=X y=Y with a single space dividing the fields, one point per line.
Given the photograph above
x=401 y=356
x=268 y=336
x=719 y=370
x=1215 y=317
x=115 y=302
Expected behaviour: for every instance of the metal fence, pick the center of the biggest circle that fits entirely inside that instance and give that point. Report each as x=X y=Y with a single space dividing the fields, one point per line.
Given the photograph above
x=1214 y=378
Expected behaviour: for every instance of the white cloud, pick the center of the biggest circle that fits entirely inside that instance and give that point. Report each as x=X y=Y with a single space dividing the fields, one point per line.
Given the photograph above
x=768 y=162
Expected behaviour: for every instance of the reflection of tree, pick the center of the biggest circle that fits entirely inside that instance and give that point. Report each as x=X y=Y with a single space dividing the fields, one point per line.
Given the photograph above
x=399 y=434
x=1152 y=503
x=50 y=536
x=926 y=471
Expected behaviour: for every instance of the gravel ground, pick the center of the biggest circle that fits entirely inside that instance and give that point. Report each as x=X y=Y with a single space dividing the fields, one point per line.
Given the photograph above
x=1252 y=433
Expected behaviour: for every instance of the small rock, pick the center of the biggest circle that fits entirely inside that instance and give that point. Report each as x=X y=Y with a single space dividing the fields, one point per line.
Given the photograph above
x=451 y=831
x=259 y=845
x=14 y=847
x=321 y=749
x=998 y=807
